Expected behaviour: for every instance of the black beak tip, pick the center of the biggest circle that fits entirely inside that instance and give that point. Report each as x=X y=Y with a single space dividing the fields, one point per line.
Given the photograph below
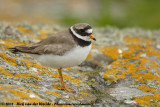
x=94 y=39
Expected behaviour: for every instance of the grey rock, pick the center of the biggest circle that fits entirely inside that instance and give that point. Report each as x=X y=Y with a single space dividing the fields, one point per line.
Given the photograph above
x=92 y=88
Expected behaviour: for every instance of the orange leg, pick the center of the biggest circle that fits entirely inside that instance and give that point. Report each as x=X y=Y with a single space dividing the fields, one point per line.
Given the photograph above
x=62 y=82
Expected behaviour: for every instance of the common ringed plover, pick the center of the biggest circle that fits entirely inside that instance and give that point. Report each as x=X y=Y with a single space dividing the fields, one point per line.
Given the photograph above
x=65 y=49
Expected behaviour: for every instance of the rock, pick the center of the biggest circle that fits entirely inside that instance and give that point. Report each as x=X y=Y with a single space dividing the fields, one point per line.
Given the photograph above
x=122 y=69
x=9 y=30
x=132 y=70
x=22 y=77
x=97 y=61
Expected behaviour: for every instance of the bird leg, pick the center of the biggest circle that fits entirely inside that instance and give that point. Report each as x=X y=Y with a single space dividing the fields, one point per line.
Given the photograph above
x=62 y=82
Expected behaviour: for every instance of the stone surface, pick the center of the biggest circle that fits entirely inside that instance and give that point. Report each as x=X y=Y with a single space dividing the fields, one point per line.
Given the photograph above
x=122 y=69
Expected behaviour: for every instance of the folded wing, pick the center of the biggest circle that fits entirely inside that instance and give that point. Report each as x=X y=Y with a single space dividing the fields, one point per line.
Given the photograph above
x=57 y=45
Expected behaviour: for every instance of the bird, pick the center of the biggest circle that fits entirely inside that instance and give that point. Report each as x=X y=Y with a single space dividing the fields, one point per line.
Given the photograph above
x=64 y=49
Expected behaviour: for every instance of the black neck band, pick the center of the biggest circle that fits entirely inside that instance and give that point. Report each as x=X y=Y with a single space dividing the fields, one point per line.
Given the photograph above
x=80 y=42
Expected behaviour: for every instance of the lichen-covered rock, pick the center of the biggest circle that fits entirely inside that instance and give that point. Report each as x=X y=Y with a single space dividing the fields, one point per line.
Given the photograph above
x=23 y=79
x=122 y=69
x=135 y=70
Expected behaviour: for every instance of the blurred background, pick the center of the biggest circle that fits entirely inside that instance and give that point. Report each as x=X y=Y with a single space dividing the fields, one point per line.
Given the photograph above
x=99 y=13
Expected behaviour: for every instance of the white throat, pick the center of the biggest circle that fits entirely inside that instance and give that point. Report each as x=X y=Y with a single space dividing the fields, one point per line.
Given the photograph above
x=85 y=38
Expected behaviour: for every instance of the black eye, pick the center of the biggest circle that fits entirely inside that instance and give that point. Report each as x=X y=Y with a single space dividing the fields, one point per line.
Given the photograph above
x=82 y=30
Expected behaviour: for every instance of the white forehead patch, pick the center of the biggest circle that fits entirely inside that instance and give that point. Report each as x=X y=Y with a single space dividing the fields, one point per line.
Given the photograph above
x=89 y=31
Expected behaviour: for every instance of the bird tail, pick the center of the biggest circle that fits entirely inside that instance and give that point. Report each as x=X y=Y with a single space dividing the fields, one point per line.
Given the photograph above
x=23 y=48
x=14 y=50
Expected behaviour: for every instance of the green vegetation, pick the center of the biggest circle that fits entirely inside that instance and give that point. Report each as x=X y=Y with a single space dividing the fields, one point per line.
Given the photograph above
x=123 y=13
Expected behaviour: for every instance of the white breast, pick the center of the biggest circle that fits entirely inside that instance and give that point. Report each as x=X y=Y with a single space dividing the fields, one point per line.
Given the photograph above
x=71 y=58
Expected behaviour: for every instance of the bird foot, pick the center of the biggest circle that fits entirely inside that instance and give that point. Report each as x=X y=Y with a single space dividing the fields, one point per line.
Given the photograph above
x=68 y=88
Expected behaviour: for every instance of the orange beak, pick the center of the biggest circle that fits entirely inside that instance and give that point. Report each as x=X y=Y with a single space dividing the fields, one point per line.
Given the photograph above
x=92 y=37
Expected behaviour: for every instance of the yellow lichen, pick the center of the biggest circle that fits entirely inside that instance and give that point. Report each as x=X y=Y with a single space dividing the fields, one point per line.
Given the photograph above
x=148 y=100
x=140 y=51
x=45 y=31
x=24 y=30
x=147 y=89
x=43 y=34
x=33 y=85
x=138 y=40
x=131 y=68
x=8 y=59
x=67 y=77
x=131 y=49
x=26 y=75
x=57 y=86
x=83 y=93
x=30 y=64
x=23 y=94
x=16 y=92
x=89 y=56
x=53 y=93
x=68 y=68
x=39 y=38
x=111 y=51
x=5 y=72
x=44 y=70
x=9 y=43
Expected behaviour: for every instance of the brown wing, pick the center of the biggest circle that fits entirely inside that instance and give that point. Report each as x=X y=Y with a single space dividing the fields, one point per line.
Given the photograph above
x=57 y=44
